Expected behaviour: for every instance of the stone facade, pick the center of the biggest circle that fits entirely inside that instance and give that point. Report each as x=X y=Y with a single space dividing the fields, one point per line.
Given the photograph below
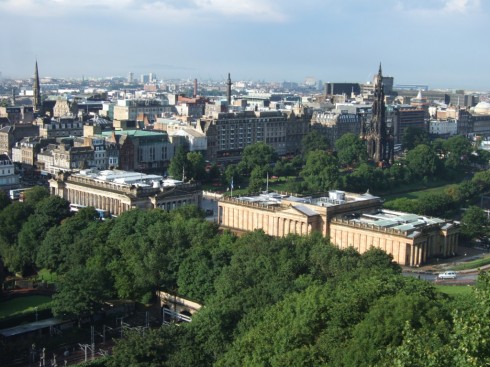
x=130 y=109
x=8 y=178
x=349 y=220
x=10 y=135
x=334 y=124
x=141 y=149
x=60 y=127
x=229 y=133
x=120 y=191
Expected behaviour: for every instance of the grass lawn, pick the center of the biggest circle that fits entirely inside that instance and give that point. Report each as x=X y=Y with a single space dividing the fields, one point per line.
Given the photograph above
x=419 y=192
x=475 y=264
x=455 y=290
x=24 y=304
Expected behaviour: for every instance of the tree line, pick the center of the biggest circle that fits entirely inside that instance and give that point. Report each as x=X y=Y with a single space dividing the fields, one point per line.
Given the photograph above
x=268 y=301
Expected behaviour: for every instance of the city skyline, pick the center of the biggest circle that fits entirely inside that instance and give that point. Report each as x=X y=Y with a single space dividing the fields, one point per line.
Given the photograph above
x=432 y=42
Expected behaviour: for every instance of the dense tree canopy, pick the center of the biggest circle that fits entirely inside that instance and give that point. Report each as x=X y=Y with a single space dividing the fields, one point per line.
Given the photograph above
x=321 y=171
x=474 y=223
x=313 y=141
x=257 y=155
x=179 y=165
x=413 y=136
x=422 y=161
x=351 y=150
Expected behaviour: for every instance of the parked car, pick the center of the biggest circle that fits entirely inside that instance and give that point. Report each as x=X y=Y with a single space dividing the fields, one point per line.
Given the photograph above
x=447 y=275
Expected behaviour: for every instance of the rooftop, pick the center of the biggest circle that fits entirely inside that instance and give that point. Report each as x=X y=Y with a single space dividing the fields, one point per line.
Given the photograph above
x=334 y=198
x=128 y=178
x=134 y=133
x=412 y=224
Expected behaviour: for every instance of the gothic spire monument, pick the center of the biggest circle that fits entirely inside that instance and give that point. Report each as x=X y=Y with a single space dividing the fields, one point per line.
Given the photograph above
x=37 y=103
x=228 y=91
x=378 y=137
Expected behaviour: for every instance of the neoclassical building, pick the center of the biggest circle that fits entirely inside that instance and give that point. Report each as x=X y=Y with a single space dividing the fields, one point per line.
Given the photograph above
x=119 y=191
x=349 y=220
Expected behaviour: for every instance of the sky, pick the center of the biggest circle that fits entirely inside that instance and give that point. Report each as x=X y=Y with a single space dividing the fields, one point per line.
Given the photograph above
x=440 y=43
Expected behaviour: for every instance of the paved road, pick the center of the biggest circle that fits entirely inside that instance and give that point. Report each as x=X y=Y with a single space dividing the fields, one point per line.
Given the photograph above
x=462 y=278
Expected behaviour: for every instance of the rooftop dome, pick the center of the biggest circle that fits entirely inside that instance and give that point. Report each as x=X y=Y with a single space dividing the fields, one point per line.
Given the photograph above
x=482 y=108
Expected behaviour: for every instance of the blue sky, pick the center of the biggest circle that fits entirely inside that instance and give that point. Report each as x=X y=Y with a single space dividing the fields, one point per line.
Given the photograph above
x=442 y=43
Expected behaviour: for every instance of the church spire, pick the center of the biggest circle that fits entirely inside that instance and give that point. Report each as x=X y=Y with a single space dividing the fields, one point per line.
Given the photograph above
x=228 y=92
x=37 y=92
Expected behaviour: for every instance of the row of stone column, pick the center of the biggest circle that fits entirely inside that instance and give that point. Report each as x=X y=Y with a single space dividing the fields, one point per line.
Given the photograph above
x=362 y=242
x=169 y=205
x=114 y=206
x=248 y=220
x=418 y=253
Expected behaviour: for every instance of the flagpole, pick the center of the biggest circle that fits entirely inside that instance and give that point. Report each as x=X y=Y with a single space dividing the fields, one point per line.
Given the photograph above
x=231 y=186
x=267 y=184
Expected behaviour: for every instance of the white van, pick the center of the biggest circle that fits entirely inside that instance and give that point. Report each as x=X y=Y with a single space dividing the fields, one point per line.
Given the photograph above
x=447 y=275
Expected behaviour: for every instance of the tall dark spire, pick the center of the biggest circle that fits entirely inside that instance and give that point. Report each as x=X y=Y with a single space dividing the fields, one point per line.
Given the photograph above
x=37 y=92
x=379 y=140
x=228 y=91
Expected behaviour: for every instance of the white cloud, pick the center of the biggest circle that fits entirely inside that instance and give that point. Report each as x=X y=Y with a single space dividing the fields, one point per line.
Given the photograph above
x=174 y=10
x=461 y=6
x=434 y=7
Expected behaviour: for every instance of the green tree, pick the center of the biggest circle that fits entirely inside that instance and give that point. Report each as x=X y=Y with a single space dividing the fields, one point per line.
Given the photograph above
x=12 y=219
x=366 y=177
x=149 y=349
x=384 y=323
x=178 y=165
x=471 y=334
x=422 y=161
x=58 y=246
x=436 y=204
x=457 y=151
x=257 y=155
x=81 y=291
x=404 y=205
x=35 y=195
x=474 y=222
x=199 y=270
x=482 y=180
x=283 y=168
x=351 y=150
x=197 y=166
x=256 y=182
x=413 y=136
x=232 y=173
x=313 y=141
x=214 y=173
x=321 y=171
x=4 y=199
x=49 y=212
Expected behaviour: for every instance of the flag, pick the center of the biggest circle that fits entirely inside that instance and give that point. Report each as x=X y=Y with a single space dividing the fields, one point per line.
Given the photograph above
x=231 y=183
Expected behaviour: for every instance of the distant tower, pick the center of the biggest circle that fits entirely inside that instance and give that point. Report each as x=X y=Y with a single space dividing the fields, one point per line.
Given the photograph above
x=195 y=88
x=37 y=92
x=130 y=77
x=379 y=139
x=13 y=96
x=228 y=91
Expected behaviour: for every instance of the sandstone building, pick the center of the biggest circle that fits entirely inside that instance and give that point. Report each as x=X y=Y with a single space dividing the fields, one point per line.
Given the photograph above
x=119 y=191
x=348 y=219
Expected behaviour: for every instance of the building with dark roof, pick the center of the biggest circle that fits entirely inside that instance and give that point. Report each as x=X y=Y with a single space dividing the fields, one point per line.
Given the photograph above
x=8 y=178
x=141 y=150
